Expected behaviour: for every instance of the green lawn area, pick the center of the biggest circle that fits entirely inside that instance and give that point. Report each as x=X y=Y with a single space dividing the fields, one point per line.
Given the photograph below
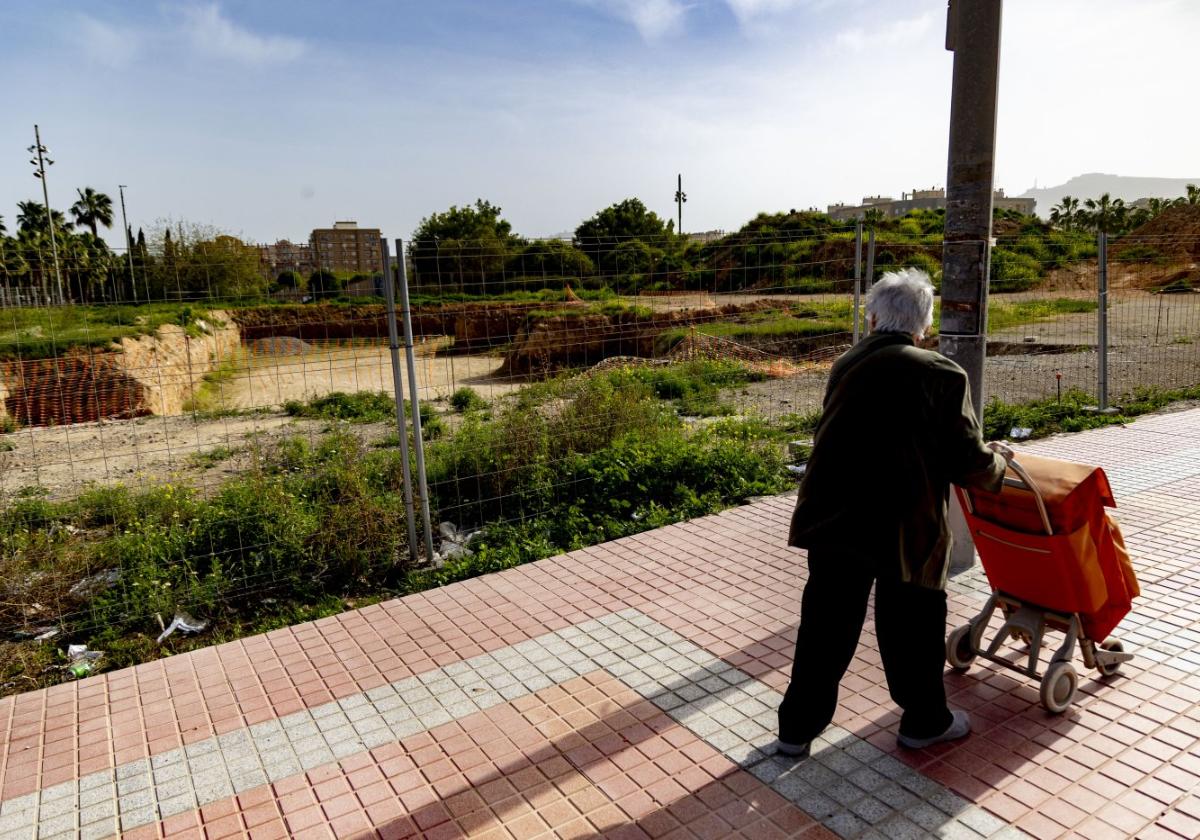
x=1003 y=315
x=43 y=332
x=810 y=319
x=827 y=317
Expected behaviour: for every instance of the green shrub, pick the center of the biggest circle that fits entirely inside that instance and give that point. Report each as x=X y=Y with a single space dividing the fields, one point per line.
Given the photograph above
x=503 y=466
x=364 y=407
x=1142 y=253
x=1068 y=247
x=432 y=424
x=467 y=399
x=804 y=423
x=930 y=265
x=634 y=484
x=324 y=284
x=1033 y=246
x=358 y=407
x=317 y=519
x=694 y=386
x=1013 y=272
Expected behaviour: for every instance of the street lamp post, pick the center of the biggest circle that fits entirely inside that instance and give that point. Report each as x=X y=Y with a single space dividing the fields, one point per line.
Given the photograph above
x=680 y=198
x=128 y=245
x=41 y=162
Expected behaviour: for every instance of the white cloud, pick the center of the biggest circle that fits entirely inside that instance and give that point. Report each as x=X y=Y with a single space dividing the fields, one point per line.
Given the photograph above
x=210 y=31
x=899 y=33
x=747 y=10
x=654 y=19
x=104 y=43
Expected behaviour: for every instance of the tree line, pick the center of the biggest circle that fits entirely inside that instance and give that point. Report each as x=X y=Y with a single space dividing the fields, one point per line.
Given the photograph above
x=1112 y=215
x=176 y=261
x=473 y=250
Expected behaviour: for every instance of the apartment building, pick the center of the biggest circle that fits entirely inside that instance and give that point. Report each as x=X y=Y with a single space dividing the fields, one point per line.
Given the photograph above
x=930 y=199
x=285 y=255
x=347 y=247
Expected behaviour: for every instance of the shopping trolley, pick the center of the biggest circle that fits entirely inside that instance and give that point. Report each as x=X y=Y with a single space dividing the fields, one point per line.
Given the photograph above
x=1055 y=559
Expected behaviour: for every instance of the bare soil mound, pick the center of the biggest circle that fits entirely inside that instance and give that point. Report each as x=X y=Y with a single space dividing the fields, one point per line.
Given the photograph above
x=554 y=341
x=279 y=345
x=1174 y=233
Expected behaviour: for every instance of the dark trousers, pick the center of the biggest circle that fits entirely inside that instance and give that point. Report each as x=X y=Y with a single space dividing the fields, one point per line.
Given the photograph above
x=910 y=625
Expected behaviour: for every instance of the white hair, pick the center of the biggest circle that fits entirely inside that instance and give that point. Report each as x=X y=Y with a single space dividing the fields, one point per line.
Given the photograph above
x=902 y=302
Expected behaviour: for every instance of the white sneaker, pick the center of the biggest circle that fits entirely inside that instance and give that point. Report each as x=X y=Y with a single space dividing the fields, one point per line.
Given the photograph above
x=959 y=727
x=792 y=750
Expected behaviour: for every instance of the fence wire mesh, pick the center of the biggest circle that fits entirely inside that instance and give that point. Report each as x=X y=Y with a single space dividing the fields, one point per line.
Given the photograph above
x=195 y=432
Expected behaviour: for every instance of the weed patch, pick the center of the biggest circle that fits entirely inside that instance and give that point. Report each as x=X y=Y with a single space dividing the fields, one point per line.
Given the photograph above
x=1072 y=413
x=693 y=386
x=1004 y=315
x=210 y=458
x=363 y=407
x=467 y=399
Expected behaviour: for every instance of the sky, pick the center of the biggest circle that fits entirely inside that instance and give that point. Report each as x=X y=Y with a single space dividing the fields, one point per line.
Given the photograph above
x=267 y=118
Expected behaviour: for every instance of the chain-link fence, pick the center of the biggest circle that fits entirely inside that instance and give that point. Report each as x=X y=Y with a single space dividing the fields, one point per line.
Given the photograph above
x=196 y=433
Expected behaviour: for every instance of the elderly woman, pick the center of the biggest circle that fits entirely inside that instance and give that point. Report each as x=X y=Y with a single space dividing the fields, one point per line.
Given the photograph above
x=897 y=429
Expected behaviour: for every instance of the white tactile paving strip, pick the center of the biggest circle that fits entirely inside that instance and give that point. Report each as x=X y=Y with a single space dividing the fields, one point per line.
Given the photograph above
x=852 y=787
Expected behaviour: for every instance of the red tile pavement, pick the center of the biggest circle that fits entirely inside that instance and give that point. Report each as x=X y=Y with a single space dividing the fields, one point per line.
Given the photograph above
x=586 y=758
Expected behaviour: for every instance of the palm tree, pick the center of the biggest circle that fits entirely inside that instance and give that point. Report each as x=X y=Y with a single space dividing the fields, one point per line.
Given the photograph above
x=873 y=217
x=92 y=209
x=1106 y=214
x=1120 y=216
x=1157 y=205
x=1137 y=217
x=1066 y=213
x=31 y=218
x=1193 y=195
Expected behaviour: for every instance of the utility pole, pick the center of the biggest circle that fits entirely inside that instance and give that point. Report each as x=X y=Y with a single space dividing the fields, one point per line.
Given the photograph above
x=680 y=198
x=43 y=160
x=128 y=244
x=973 y=35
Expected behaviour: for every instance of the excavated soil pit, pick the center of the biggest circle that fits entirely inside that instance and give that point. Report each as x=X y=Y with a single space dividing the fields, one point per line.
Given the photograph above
x=78 y=388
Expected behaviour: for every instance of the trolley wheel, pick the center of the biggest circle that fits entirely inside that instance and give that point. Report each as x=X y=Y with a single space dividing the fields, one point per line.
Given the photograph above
x=1058 y=687
x=959 y=652
x=1115 y=668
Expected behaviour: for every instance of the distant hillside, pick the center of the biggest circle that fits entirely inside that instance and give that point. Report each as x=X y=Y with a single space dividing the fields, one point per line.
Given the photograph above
x=1093 y=184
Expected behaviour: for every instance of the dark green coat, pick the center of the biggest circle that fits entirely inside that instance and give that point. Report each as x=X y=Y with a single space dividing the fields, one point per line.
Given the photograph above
x=897 y=429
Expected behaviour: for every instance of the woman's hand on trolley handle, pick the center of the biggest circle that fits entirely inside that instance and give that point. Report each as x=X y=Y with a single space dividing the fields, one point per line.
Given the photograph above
x=1002 y=448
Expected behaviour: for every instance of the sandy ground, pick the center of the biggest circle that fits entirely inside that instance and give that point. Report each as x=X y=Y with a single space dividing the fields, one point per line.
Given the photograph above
x=205 y=449
x=64 y=459
x=270 y=381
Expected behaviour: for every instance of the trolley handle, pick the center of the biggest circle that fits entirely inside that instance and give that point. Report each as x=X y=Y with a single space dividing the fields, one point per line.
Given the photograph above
x=1024 y=478
x=1032 y=487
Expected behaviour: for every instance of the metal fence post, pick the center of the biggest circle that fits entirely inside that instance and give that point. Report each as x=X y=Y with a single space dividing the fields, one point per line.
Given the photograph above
x=1102 y=321
x=857 y=280
x=870 y=278
x=389 y=293
x=418 y=441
